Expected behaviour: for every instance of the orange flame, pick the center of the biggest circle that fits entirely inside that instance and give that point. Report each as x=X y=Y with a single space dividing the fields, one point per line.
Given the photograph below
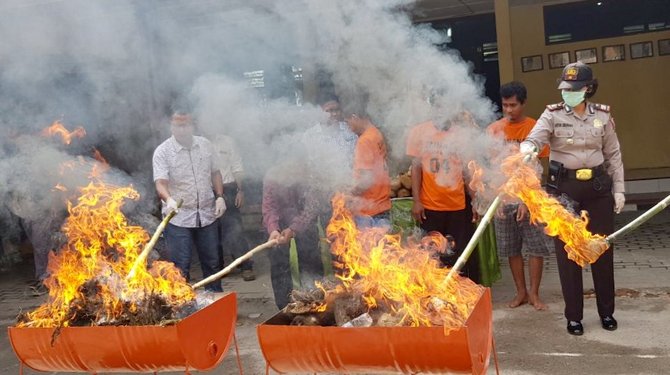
x=476 y=179
x=57 y=128
x=102 y=247
x=98 y=169
x=406 y=279
x=581 y=245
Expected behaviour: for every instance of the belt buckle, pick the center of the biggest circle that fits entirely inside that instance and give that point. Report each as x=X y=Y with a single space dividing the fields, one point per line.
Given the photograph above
x=584 y=174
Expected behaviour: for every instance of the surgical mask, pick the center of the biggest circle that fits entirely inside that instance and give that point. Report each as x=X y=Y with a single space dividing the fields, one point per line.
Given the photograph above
x=573 y=98
x=183 y=134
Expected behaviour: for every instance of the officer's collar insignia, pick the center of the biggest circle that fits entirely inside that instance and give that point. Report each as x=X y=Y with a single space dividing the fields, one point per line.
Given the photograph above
x=571 y=74
x=567 y=108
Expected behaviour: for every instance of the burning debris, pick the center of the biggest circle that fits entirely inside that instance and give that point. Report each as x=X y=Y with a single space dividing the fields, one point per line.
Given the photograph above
x=57 y=128
x=383 y=282
x=89 y=284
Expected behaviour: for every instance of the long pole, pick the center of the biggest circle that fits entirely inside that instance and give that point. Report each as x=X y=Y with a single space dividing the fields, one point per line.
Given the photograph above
x=150 y=245
x=470 y=247
x=474 y=239
x=234 y=264
x=660 y=206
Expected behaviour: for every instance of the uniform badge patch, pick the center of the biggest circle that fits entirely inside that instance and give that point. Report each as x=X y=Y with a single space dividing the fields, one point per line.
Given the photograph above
x=597 y=123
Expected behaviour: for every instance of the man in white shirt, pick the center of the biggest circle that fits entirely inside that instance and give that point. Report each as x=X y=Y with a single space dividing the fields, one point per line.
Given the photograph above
x=185 y=167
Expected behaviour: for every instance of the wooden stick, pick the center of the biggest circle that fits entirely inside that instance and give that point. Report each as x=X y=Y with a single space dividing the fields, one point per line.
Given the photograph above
x=234 y=264
x=150 y=245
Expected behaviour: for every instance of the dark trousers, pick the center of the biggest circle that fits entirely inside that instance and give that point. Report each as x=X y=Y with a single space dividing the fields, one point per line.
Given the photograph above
x=179 y=243
x=459 y=225
x=600 y=205
x=310 y=264
x=231 y=232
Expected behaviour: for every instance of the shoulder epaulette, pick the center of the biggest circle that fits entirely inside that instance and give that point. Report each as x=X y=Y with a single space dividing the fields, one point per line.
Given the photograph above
x=555 y=107
x=602 y=107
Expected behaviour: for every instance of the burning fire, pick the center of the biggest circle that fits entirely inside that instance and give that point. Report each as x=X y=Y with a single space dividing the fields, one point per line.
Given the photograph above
x=581 y=245
x=102 y=247
x=57 y=128
x=407 y=281
x=89 y=280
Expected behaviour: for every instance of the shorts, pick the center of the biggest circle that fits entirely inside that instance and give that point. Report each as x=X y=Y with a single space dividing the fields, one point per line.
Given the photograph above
x=513 y=236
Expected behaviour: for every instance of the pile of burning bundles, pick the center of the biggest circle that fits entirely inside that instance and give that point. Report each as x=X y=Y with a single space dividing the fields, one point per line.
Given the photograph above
x=383 y=281
x=108 y=312
x=91 y=282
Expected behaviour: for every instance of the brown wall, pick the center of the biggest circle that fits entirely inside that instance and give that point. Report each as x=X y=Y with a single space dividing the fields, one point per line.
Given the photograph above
x=637 y=90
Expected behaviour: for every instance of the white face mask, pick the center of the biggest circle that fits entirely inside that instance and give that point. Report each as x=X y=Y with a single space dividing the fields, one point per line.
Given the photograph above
x=573 y=98
x=183 y=134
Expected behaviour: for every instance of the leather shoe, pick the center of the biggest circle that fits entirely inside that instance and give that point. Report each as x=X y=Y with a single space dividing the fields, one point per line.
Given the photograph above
x=575 y=328
x=609 y=323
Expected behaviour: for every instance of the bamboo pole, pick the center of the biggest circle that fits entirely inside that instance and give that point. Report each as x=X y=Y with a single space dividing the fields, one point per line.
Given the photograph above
x=234 y=264
x=150 y=245
x=486 y=219
x=660 y=206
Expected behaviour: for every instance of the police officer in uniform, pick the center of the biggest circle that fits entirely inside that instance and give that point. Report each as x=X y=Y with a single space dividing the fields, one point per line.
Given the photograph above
x=585 y=167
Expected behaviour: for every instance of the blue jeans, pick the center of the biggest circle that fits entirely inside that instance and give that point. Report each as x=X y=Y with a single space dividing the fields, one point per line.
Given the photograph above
x=381 y=220
x=179 y=242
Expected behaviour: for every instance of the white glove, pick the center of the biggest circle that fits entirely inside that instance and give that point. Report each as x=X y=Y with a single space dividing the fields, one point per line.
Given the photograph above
x=171 y=205
x=619 y=201
x=528 y=148
x=220 y=207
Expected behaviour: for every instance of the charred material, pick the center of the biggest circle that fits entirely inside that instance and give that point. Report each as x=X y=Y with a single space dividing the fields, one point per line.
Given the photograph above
x=88 y=309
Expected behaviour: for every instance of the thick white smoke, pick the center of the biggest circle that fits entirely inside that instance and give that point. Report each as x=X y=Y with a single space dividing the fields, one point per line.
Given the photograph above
x=119 y=67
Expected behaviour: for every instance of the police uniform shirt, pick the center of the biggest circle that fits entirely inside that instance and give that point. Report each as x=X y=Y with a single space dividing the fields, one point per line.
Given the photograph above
x=580 y=141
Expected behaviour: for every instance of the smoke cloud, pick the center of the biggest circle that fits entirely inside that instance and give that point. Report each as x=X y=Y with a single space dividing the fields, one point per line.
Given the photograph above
x=119 y=68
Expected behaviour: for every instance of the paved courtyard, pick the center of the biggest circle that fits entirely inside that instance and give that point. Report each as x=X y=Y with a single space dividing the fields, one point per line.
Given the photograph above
x=527 y=341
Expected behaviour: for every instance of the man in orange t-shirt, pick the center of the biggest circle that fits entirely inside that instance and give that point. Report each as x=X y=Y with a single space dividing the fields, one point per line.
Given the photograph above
x=438 y=188
x=370 y=200
x=514 y=231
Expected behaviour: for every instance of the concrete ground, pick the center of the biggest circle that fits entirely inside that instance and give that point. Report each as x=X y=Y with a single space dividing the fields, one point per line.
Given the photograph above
x=527 y=341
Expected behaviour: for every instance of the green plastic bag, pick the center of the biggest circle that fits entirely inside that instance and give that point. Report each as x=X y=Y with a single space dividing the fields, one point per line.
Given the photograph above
x=324 y=248
x=326 y=257
x=401 y=217
x=294 y=264
x=487 y=251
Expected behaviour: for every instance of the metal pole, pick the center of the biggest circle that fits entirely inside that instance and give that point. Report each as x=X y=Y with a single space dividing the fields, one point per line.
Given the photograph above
x=660 y=206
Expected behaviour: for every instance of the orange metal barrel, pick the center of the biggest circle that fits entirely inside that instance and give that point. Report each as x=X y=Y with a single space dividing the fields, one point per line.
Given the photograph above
x=197 y=342
x=411 y=350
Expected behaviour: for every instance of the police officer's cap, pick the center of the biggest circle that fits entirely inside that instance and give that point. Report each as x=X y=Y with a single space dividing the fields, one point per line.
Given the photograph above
x=575 y=76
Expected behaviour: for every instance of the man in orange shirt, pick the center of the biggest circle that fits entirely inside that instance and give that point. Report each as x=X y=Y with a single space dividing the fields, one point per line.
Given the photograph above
x=370 y=196
x=514 y=231
x=438 y=187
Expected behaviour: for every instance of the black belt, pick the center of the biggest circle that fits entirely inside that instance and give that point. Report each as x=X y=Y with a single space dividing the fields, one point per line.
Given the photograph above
x=580 y=174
